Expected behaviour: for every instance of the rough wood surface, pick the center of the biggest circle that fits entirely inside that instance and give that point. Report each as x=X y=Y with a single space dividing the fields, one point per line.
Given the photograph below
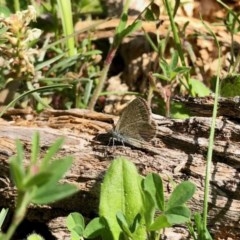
x=177 y=153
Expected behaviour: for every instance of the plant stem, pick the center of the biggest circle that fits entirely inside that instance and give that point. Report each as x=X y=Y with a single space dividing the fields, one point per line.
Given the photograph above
x=22 y=204
x=103 y=77
x=211 y=136
x=177 y=42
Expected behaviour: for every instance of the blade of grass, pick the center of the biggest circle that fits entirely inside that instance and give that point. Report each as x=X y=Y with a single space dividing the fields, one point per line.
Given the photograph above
x=32 y=91
x=212 y=131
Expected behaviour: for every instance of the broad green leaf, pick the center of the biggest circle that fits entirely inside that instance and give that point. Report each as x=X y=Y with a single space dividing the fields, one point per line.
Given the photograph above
x=75 y=224
x=181 y=194
x=148 y=208
x=4 y=12
x=75 y=219
x=123 y=224
x=94 y=228
x=199 y=88
x=51 y=193
x=178 y=215
x=135 y=223
x=121 y=191
x=153 y=184
x=159 y=223
x=77 y=232
x=35 y=236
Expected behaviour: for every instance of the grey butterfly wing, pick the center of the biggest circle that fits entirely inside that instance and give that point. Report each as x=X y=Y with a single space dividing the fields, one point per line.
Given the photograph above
x=136 y=111
x=141 y=130
x=135 y=121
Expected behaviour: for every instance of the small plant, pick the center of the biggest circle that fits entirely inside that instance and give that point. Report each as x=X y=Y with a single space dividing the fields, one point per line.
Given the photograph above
x=37 y=182
x=128 y=206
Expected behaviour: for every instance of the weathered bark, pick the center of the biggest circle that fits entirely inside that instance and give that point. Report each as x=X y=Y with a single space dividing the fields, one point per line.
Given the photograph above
x=177 y=153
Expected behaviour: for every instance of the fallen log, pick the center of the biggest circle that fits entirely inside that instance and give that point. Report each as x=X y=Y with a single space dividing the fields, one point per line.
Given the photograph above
x=177 y=153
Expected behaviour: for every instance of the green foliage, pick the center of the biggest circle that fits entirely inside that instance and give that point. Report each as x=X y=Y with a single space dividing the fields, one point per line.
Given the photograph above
x=198 y=230
x=121 y=191
x=121 y=31
x=35 y=236
x=230 y=86
x=38 y=181
x=171 y=70
x=128 y=205
x=38 y=71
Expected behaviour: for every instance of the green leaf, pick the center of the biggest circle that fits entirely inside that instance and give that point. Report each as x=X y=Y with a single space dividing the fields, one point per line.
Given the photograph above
x=94 y=228
x=35 y=148
x=199 y=88
x=149 y=16
x=166 y=69
x=179 y=111
x=181 y=194
x=202 y=233
x=121 y=191
x=174 y=61
x=123 y=224
x=35 y=236
x=149 y=208
x=75 y=219
x=37 y=180
x=122 y=23
x=76 y=232
x=17 y=173
x=135 y=223
x=20 y=155
x=130 y=29
x=75 y=224
x=3 y=215
x=4 y=11
x=49 y=62
x=230 y=86
x=153 y=184
x=161 y=76
x=55 y=147
x=59 y=167
x=178 y=215
x=181 y=70
x=159 y=223
x=51 y=193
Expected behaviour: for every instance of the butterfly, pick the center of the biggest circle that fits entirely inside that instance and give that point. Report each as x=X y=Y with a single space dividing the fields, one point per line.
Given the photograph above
x=134 y=124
